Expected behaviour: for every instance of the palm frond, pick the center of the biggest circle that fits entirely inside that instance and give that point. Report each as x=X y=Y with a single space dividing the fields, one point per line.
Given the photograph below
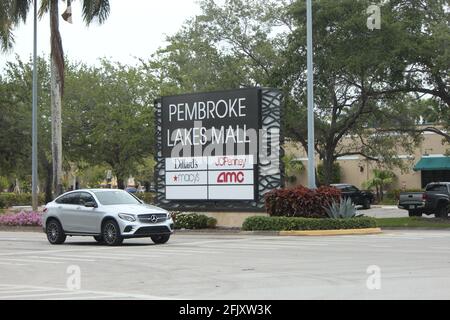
x=95 y=9
x=12 y=12
x=43 y=9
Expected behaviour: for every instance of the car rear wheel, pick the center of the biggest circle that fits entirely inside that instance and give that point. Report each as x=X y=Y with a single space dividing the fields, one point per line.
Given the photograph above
x=111 y=233
x=160 y=238
x=55 y=232
x=413 y=213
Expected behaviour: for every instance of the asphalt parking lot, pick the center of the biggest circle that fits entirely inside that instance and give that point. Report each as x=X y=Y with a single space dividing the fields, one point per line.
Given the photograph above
x=410 y=265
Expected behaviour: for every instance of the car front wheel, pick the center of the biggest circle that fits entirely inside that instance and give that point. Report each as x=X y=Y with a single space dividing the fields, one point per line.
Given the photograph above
x=111 y=233
x=366 y=204
x=55 y=232
x=160 y=238
x=442 y=212
x=99 y=239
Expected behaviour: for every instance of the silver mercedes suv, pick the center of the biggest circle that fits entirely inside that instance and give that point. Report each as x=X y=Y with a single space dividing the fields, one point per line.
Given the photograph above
x=109 y=215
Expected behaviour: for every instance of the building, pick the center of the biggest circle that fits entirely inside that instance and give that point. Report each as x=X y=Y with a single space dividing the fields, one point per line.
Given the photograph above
x=428 y=163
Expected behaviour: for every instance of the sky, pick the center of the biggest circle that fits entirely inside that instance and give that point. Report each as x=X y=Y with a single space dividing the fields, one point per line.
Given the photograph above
x=135 y=28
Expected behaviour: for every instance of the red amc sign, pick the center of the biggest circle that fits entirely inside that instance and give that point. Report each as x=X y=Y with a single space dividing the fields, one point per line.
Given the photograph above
x=241 y=177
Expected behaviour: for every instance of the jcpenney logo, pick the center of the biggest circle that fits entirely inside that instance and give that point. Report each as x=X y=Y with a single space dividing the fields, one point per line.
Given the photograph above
x=231 y=177
x=230 y=162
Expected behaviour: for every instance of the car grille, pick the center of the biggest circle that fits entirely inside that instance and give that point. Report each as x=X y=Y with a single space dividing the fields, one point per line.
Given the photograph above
x=152 y=217
x=152 y=230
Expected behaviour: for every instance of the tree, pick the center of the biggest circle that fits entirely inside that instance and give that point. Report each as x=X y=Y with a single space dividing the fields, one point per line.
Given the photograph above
x=14 y=11
x=109 y=117
x=351 y=65
x=15 y=121
x=335 y=177
x=224 y=47
x=421 y=68
x=292 y=167
x=381 y=179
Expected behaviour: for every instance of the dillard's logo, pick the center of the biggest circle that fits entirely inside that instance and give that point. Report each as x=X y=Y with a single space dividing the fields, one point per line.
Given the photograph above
x=231 y=177
x=184 y=164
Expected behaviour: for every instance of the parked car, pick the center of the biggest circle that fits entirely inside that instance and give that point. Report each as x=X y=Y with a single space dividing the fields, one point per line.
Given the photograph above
x=435 y=200
x=359 y=197
x=109 y=215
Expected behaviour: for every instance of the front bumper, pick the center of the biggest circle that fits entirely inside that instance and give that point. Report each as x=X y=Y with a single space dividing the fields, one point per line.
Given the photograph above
x=138 y=229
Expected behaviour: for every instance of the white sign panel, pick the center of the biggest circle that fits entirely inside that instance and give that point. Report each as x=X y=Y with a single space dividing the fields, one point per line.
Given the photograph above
x=230 y=162
x=187 y=193
x=210 y=178
x=178 y=178
x=237 y=177
x=188 y=164
x=231 y=192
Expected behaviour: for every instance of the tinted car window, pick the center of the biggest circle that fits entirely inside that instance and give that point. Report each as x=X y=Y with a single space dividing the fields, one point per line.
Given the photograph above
x=437 y=188
x=71 y=198
x=115 y=197
x=85 y=197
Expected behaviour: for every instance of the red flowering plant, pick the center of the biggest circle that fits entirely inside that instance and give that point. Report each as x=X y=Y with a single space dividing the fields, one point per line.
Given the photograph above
x=301 y=201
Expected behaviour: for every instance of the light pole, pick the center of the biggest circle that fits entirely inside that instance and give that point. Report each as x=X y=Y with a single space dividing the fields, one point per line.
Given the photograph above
x=34 y=170
x=311 y=153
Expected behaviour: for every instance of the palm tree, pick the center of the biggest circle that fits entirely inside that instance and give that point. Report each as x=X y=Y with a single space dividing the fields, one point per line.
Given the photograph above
x=12 y=12
x=381 y=179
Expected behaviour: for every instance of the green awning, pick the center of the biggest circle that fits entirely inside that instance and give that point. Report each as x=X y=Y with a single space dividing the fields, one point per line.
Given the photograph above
x=433 y=163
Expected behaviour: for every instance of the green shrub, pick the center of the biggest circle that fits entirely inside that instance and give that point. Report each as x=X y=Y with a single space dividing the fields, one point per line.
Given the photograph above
x=9 y=199
x=147 y=197
x=258 y=223
x=336 y=173
x=190 y=221
x=345 y=209
x=212 y=222
x=301 y=201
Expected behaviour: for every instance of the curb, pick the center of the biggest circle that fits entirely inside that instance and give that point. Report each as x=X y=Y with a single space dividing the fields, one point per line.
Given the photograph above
x=21 y=229
x=330 y=232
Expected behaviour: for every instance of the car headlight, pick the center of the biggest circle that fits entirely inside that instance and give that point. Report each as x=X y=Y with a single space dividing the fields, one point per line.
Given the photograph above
x=127 y=217
x=169 y=216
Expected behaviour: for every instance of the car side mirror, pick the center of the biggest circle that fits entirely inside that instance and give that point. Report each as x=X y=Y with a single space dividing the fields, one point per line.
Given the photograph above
x=90 y=204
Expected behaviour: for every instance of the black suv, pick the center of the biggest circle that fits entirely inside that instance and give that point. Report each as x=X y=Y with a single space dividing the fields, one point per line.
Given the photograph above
x=359 y=197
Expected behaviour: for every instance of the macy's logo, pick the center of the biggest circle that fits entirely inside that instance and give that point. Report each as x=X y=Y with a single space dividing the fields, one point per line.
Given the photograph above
x=230 y=177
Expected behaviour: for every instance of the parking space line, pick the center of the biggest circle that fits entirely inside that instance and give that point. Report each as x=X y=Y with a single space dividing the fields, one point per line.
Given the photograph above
x=40 y=295
x=99 y=256
x=13 y=264
x=9 y=291
x=64 y=291
x=33 y=261
x=85 y=298
x=68 y=258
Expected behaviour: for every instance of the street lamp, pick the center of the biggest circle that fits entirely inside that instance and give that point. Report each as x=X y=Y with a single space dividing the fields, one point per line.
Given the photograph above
x=34 y=171
x=311 y=158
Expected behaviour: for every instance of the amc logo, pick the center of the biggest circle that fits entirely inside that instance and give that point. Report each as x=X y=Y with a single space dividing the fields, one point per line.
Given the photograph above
x=231 y=177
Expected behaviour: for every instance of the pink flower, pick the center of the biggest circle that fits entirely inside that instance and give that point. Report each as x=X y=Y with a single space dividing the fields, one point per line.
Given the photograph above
x=23 y=218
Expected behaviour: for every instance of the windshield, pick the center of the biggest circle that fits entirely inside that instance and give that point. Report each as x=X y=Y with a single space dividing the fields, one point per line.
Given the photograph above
x=112 y=197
